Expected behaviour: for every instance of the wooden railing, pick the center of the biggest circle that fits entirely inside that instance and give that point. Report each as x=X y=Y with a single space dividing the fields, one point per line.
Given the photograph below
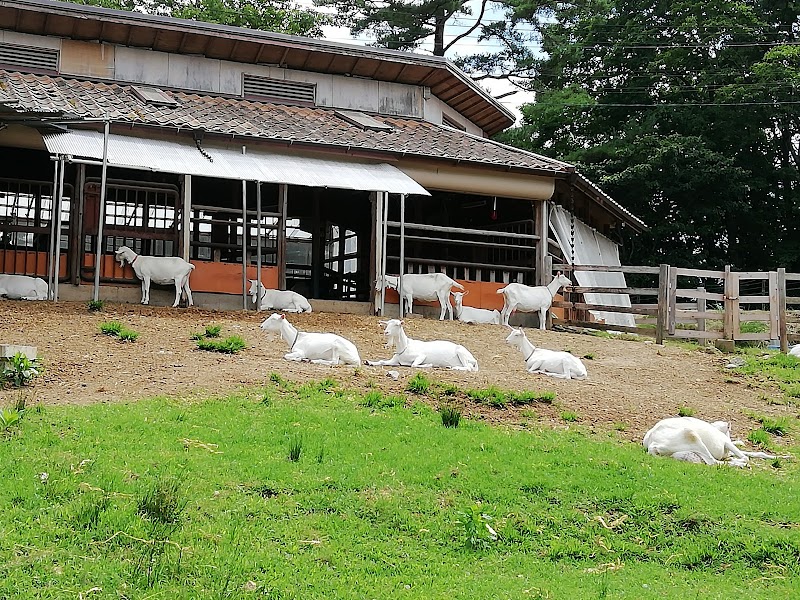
x=669 y=310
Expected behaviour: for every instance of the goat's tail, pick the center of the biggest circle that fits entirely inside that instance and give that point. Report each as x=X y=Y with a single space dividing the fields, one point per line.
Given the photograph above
x=457 y=285
x=192 y=266
x=502 y=290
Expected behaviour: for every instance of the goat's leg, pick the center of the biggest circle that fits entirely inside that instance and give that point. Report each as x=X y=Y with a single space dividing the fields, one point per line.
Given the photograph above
x=145 y=290
x=543 y=319
x=687 y=441
x=296 y=356
x=188 y=291
x=389 y=362
x=178 y=289
x=420 y=363
x=508 y=308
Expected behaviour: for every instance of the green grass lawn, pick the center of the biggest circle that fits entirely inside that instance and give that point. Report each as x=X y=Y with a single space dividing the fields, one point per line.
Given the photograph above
x=167 y=499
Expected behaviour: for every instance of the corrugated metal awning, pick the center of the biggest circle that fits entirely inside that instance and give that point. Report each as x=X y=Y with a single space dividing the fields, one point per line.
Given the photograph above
x=171 y=156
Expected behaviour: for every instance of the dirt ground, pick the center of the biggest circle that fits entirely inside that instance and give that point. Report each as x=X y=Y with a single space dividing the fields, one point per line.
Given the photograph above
x=630 y=382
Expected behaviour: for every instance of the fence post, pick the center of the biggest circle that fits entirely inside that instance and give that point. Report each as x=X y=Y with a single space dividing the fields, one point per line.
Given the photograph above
x=548 y=274
x=783 y=333
x=701 y=322
x=729 y=304
x=663 y=304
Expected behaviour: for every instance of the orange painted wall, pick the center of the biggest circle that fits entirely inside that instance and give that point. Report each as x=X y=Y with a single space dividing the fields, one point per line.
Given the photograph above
x=226 y=278
x=30 y=263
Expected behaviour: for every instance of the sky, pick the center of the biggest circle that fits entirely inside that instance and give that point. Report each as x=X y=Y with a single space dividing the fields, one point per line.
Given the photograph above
x=466 y=46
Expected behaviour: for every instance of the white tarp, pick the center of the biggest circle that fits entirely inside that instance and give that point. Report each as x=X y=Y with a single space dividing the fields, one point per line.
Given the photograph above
x=592 y=248
x=181 y=156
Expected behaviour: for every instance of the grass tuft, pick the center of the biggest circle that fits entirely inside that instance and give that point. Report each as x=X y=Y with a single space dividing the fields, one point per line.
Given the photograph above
x=295 y=448
x=160 y=499
x=419 y=384
x=95 y=305
x=230 y=345
x=685 y=411
x=569 y=416
x=451 y=415
x=778 y=426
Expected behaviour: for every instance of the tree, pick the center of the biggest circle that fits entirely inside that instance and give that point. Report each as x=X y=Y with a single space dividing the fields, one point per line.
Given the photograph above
x=283 y=16
x=688 y=113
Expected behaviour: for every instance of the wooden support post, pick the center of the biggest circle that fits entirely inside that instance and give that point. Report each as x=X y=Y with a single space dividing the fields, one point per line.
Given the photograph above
x=672 y=301
x=701 y=322
x=376 y=212
x=186 y=218
x=280 y=240
x=663 y=305
x=547 y=273
x=782 y=326
x=78 y=201
x=542 y=230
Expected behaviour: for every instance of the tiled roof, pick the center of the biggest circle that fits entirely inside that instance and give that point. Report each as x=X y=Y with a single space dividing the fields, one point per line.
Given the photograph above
x=262 y=120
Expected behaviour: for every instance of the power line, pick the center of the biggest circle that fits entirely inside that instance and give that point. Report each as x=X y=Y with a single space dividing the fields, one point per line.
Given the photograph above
x=666 y=104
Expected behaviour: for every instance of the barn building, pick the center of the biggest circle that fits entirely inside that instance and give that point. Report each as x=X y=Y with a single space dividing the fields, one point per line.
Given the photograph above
x=250 y=152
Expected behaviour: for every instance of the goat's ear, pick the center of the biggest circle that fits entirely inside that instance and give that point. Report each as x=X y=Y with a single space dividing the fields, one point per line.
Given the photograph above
x=465 y=292
x=559 y=273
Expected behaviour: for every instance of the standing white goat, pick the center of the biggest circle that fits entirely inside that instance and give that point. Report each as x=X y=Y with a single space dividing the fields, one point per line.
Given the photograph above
x=689 y=439
x=546 y=362
x=427 y=286
x=416 y=353
x=285 y=300
x=795 y=351
x=23 y=287
x=162 y=270
x=525 y=298
x=470 y=314
x=319 y=348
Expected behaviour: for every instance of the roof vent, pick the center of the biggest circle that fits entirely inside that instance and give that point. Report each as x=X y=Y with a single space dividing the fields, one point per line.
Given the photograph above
x=452 y=123
x=153 y=95
x=28 y=58
x=278 y=90
x=364 y=121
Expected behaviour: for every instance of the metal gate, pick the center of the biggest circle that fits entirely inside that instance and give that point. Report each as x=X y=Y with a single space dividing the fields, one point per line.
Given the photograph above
x=144 y=217
x=26 y=213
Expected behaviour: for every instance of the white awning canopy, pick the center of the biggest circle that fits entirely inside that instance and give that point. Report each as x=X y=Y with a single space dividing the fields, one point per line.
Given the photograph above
x=184 y=158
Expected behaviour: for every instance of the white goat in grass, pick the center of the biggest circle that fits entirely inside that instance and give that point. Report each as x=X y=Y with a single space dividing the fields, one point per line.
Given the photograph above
x=162 y=270
x=525 y=298
x=285 y=300
x=23 y=287
x=546 y=362
x=694 y=440
x=469 y=314
x=318 y=348
x=427 y=286
x=416 y=353
x=795 y=351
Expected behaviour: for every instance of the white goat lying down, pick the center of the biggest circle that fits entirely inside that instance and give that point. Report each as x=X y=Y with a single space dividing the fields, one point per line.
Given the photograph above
x=428 y=286
x=693 y=440
x=416 y=353
x=525 y=298
x=162 y=270
x=285 y=300
x=795 y=351
x=470 y=314
x=23 y=287
x=546 y=362
x=319 y=348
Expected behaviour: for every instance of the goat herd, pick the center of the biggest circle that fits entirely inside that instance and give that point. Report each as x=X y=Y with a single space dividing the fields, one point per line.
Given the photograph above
x=683 y=438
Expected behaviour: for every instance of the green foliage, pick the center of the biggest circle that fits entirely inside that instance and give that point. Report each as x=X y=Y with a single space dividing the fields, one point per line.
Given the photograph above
x=212 y=331
x=478 y=534
x=569 y=416
x=378 y=495
x=686 y=123
x=685 y=411
x=282 y=16
x=19 y=370
x=497 y=398
x=119 y=331
x=95 y=305
x=778 y=426
x=160 y=499
x=753 y=327
x=111 y=328
x=451 y=415
x=295 y=447
x=419 y=384
x=759 y=437
x=230 y=345
x=377 y=400
x=9 y=417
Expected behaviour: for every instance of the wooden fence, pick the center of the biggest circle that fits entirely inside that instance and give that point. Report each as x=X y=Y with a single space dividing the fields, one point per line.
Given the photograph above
x=670 y=308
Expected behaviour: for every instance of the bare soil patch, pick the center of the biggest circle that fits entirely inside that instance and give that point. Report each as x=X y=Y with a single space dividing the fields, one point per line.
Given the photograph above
x=630 y=382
